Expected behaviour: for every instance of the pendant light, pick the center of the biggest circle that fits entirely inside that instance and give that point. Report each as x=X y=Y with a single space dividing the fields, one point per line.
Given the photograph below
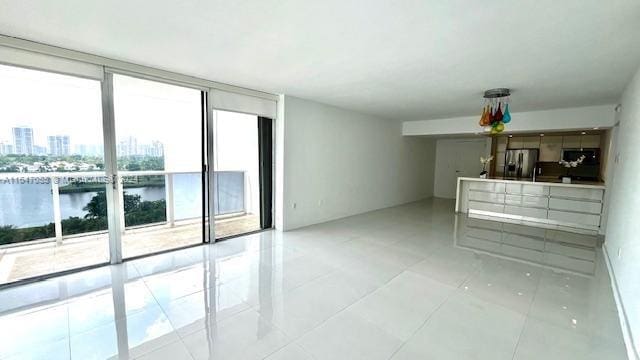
x=495 y=111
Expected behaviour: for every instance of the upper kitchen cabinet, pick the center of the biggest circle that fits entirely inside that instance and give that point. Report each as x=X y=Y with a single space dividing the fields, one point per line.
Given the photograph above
x=515 y=142
x=581 y=141
x=524 y=142
x=571 y=142
x=590 y=141
x=531 y=142
x=550 y=148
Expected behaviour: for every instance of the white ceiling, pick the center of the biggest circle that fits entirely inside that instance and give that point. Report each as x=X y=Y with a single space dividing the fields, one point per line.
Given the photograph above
x=413 y=59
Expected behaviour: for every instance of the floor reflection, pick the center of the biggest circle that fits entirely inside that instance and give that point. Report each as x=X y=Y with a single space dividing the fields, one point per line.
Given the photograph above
x=360 y=287
x=550 y=248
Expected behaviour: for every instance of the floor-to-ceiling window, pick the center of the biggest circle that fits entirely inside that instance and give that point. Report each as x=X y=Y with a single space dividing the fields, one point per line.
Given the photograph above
x=97 y=166
x=52 y=209
x=159 y=148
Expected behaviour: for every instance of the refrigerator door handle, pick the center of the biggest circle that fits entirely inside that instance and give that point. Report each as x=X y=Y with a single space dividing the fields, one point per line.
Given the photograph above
x=520 y=164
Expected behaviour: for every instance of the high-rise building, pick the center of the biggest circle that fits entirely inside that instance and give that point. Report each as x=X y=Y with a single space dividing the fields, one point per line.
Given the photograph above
x=154 y=149
x=8 y=149
x=88 y=149
x=59 y=145
x=128 y=146
x=157 y=149
x=22 y=140
x=39 y=150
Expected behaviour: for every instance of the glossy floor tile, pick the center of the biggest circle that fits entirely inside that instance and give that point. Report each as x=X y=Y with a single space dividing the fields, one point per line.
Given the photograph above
x=36 y=259
x=408 y=282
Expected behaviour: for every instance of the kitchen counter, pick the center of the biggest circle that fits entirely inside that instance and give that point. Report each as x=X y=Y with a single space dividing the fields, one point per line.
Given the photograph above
x=547 y=181
x=554 y=205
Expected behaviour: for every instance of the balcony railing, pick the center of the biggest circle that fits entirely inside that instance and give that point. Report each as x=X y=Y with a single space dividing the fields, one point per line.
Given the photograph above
x=230 y=196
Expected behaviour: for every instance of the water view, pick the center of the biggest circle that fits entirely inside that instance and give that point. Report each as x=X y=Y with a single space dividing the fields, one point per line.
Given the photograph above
x=32 y=204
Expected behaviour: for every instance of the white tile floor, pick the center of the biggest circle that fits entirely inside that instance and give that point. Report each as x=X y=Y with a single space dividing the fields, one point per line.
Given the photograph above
x=390 y=284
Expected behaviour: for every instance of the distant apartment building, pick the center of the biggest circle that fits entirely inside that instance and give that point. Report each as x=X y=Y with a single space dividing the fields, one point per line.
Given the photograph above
x=59 y=145
x=22 y=140
x=5 y=148
x=128 y=146
x=39 y=150
x=89 y=150
x=154 y=149
x=157 y=149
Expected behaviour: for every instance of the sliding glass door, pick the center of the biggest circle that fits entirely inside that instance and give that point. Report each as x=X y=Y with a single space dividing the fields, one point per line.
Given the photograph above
x=240 y=172
x=52 y=178
x=158 y=129
x=99 y=170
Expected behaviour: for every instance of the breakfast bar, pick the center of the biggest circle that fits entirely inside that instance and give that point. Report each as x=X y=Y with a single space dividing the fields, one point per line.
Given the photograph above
x=568 y=207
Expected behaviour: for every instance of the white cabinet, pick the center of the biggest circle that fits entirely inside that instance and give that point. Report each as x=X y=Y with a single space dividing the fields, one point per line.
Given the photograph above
x=535 y=201
x=576 y=193
x=525 y=211
x=573 y=208
x=486 y=196
x=489 y=186
x=527 y=189
x=574 y=218
x=476 y=205
x=575 y=205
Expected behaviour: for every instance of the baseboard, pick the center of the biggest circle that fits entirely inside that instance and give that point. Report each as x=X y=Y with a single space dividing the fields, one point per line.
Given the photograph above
x=632 y=350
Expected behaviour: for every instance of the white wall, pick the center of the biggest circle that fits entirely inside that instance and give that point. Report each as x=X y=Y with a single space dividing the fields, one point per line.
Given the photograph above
x=457 y=157
x=547 y=120
x=622 y=240
x=337 y=163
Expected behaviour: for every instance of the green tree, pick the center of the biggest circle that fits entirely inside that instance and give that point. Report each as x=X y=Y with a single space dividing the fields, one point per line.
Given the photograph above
x=134 y=167
x=97 y=206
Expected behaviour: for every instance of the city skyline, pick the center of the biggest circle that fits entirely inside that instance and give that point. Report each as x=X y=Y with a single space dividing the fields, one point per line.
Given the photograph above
x=67 y=105
x=61 y=145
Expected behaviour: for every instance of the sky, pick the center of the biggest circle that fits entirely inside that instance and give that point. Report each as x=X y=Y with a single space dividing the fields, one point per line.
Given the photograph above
x=54 y=104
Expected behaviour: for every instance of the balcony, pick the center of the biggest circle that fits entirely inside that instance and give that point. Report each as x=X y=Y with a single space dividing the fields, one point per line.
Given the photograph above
x=181 y=222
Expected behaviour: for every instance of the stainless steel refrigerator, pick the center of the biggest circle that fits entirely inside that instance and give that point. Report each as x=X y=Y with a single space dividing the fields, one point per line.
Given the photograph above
x=521 y=164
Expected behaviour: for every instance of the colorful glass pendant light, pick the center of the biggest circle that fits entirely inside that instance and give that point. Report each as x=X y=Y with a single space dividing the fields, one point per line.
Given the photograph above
x=492 y=114
x=484 y=113
x=506 y=118
x=492 y=117
x=485 y=118
x=499 y=113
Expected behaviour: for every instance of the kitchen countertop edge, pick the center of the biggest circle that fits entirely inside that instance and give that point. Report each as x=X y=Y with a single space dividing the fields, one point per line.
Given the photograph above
x=542 y=183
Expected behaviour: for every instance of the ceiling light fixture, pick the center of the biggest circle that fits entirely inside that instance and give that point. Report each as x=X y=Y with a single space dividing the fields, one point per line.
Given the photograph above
x=495 y=111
